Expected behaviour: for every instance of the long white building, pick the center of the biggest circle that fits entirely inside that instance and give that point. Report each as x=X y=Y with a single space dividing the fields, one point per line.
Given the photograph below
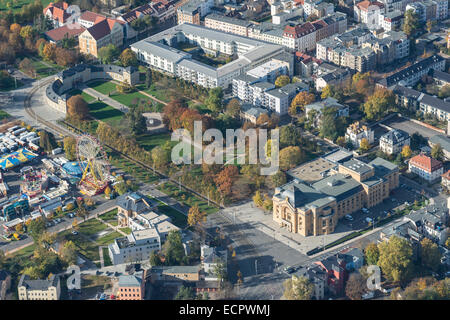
x=160 y=53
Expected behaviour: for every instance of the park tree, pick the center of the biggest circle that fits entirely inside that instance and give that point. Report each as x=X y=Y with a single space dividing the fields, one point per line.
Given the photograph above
x=282 y=80
x=108 y=53
x=378 y=104
x=27 y=32
x=148 y=78
x=128 y=58
x=290 y=157
x=372 y=254
x=437 y=152
x=49 y=52
x=69 y=253
x=300 y=101
x=430 y=254
x=356 y=286
x=364 y=145
x=173 y=248
x=396 y=259
x=257 y=199
x=225 y=179
x=77 y=108
x=214 y=102
x=278 y=179
x=298 y=288
x=160 y=156
x=411 y=23
x=233 y=108
x=196 y=218
x=289 y=136
x=185 y=293
x=47 y=140
x=70 y=148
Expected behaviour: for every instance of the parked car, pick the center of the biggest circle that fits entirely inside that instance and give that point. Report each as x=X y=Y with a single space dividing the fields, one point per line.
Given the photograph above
x=348 y=217
x=289 y=269
x=74 y=232
x=369 y=220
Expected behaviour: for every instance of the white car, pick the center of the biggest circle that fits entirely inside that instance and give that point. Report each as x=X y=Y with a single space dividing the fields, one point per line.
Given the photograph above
x=369 y=220
x=348 y=217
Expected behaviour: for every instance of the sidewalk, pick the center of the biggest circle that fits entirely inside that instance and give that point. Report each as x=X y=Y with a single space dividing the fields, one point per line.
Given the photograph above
x=104 y=98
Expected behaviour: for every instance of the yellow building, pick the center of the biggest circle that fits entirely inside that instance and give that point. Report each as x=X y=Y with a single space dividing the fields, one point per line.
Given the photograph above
x=102 y=33
x=315 y=210
x=39 y=289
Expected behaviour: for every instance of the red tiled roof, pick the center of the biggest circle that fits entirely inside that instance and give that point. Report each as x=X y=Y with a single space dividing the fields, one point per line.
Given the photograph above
x=71 y=31
x=426 y=163
x=364 y=5
x=299 y=30
x=90 y=16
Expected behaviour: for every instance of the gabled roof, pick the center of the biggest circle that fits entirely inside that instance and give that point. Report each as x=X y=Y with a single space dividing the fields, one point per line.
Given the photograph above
x=58 y=11
x=101 y=29
x=134 y=14
x=69 y=30
x=90 y=16
x=426 y=163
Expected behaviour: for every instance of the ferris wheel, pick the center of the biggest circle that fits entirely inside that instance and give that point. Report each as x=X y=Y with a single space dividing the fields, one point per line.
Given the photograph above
x=93 y=162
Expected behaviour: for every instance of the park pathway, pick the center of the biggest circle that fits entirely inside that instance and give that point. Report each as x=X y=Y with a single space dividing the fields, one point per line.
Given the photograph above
x=104 y=98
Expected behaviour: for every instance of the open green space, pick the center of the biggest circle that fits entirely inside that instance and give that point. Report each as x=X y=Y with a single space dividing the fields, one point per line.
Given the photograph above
x=109 y=88
x=110 y=215
x=186 y=197
x=156 y=91
x=139 y=173
x=109 y=238
x=91 y=227
x=106 y=258
x=179 y=219
x=104 y=112
x=126 y=230
x=149 y=141
x=17 y=5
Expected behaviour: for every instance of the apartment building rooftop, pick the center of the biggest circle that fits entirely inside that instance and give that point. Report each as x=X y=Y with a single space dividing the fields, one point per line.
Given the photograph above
x=218 y=17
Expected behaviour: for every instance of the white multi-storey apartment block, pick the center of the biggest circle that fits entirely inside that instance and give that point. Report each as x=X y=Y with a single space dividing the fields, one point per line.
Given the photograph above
x=159 y=53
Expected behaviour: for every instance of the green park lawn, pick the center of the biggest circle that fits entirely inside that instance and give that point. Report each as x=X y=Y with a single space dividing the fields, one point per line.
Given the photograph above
x=106 y=258
x=149 y=141
x=110 y=215
x=109 y=88
x=18 y=4
x=87 y=97
x=104 y=112
x=179 y=219
x=109 y=238
x=4 y=115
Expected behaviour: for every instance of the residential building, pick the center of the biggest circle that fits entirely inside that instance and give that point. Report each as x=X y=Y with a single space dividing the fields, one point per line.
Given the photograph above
x=132 y=15
x=440 y=78
x=251 y=113
x=57 y=13
x=210 y=258
x=356 y=132
x=5 y=284
x=445 y=182
x=130 y=205
x=102 y=33
x=334 y=266
x=155 y=52
x=65 y=32
x=227 y=24
x=193 y=10
x=135 y=247
x=305 y=65
x=39 y=289
x=319 y=106
x=319 y=278
x=300 y=37
x=426 y=167
x=131 y=287
x=328 y=74
x=368 y=12
x=393 y=141
x=315 y=209
x=354 y=258
x=89 y=18
x=410 y=75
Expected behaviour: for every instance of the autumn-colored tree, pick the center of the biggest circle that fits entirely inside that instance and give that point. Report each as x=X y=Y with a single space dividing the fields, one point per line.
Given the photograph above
x=406 y=152
x=301 y=99
x=77 y=108
x=430 y=254
x=172 y=114
x=70 y=147
x=188 y=117
x=372 y=253
x=64 y=57
x=298 y=288
x=356 y=286
x=15 y=28
x=327 y=91
x=378 y=104
x=27 y=32
x=196 y=218
x=364 y=145
x=233 y=108
x=257 y=199
x=340 y=141
x=225 y=178
x=49 y=52
x=263 y=119
x=396 y=259
x=282 y=80
x=290 y=157
x=128 y=58
x=437 y=152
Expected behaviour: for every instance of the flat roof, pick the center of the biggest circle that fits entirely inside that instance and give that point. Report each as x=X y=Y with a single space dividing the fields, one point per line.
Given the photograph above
x=312 y=171
x=357 y=166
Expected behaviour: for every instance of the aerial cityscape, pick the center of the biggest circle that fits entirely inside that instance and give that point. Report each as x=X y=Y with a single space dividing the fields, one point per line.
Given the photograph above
x=224 y=150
